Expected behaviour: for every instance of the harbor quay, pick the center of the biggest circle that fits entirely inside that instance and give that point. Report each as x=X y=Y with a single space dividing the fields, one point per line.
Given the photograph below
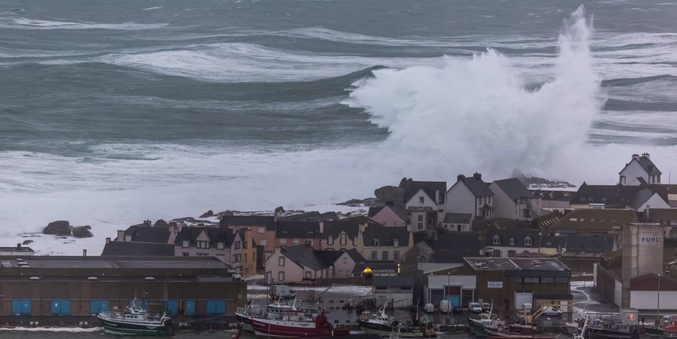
x=198 y=292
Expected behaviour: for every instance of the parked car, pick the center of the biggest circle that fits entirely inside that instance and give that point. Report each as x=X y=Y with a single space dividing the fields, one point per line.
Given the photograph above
x=474 y=307
x=457 y=309
x=553 y=312
x=429 y=308
x=486 y=307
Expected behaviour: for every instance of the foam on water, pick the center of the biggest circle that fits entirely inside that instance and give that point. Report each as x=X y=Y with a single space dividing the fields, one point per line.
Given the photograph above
x=26 y=23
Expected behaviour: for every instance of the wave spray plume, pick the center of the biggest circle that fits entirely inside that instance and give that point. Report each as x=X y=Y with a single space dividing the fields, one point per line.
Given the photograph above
x=477 y=114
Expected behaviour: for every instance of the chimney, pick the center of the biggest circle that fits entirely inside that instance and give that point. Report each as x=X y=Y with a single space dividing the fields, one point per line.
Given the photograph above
x=635 y=156
x=107 y=240
x=18 y=247
x=460 y=177
x=437 y=197
x=147 y=222
x=84 y=253
x=646 y=155
x=121 y=235
x=321 y=226
x=477 y=176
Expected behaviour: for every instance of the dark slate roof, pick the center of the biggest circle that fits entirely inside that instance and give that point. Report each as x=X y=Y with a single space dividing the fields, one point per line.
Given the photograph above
x=139 y=233
x=334 y=228
x=452 y=247
x=310 y=216
x=514 y=188
x=385 y=235
x=305 y=256
x=595 y=220
x=248 y=220
x=355 y=255
x=429 y=187
x=640 y=198
x=547 y=220
x=590 y=243
x=477 y=186
x=215 y=234
x=133 y=248
x=518 y=234
x=553 y=195
x=22 y=249
x=401 y=212
x=661 y=215
x=612 y=196
x=297 y=230
x=457 y=218
x=396 y=281
x=554 y=241
x=389 y=266
x=646 y=164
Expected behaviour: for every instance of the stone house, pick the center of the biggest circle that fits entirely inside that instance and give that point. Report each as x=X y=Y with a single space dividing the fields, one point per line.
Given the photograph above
x=425 y=202
x=457 y=222
x=262 y=228
x=341 y=235
x=637 y=198
x=513 y=200
x=293 y=233
x=640 y=170
x=504 y=243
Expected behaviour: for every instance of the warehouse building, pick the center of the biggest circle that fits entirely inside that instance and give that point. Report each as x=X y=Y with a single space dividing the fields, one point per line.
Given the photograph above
x=47 y=287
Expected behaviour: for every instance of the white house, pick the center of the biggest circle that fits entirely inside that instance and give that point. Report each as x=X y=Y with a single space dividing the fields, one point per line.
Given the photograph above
x=514 y=200
x=504 y=243
x=640 y=170
x=425 y=201
x=470 y=195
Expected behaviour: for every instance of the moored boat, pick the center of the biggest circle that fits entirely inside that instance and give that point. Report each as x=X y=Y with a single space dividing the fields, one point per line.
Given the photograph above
x=385 y=325
x=518 y=331
x=479 y=326
x=136 y=321
x=668 y=331
x=291 y=326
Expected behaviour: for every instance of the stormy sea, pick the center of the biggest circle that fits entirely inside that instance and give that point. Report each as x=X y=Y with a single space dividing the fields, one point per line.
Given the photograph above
x=112 y=112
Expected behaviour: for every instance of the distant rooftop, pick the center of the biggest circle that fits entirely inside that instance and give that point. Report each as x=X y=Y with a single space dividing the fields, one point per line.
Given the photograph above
x=516 y=264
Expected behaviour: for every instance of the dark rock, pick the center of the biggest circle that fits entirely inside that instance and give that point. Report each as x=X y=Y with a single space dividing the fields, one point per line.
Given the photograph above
x=60 y=228
x=26 y=242
x=161 y=223
x=279 y=210
x=390 y=193
x=82 y=232
x=207 y=214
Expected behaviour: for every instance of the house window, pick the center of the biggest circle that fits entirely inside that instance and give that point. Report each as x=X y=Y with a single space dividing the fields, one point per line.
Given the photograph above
x=309 y=275
x=262 y=230
x=280 y=261
x=330 y=240
x=280 y=276
x=497 y=254
x=244 y=245
x=263 y=242
x=622 y=180
x=385 y=255
x=309 y=242
x=421 y=200
x=374 y=255
x=345 y=259
x=489 y=200
x=219 y=245
x=296 y=241
x=420 y=217
x=396 y=242
x=384 y=223
x=496 y=239
x=420 y=225
x=527 y=241
x=377 y=242
x=237 y=245
x=396 y=255
x=185 y=254
x=236 y=258
x=343 y=240
x=186 y=243
x=128 y=238
x=283 y=243
x=512 y=241
x=245 y=258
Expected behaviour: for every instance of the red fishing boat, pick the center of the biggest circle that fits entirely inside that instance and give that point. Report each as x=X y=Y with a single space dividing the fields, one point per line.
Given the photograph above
x=292 y=326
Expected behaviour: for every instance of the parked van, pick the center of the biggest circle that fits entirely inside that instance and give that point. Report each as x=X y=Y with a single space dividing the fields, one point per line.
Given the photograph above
x=474 y=307
x=445 y=306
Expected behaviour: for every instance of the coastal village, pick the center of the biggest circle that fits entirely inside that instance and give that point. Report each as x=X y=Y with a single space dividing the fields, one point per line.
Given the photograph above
x=509 y=242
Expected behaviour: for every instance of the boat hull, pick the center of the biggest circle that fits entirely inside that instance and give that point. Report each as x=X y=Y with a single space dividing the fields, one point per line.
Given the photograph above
x=245 y=322
x=135 y=329
x=289 y=329
x=477 y=328
x=660 y=333
x=498 y=334
x=597 y=333
x=402 y=332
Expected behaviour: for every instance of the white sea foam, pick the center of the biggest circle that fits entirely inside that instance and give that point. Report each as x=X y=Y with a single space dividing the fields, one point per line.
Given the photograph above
x=152 y=8
x=26 y=23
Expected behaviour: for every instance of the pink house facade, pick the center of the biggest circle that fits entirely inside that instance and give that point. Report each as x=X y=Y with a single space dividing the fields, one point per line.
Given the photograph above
x=389 y=216
x=303 y=264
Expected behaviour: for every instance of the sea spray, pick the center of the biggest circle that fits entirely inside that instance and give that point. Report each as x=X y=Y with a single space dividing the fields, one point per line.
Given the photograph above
x=478 y=115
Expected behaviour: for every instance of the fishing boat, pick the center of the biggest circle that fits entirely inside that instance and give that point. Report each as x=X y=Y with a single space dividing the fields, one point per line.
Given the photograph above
x=486 y=321
x=385 y=325
x=135 y=320
x=518 y=331
x=605 y=326
x=667 y=331
x=244 y=314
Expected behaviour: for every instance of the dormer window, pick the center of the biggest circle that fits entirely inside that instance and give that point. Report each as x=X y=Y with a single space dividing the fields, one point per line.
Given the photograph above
x=527 y=241
x=512 y=241
x=421 y=200
x=396 y=242
x=496 y=239
x=128 y=238
x=377 y=242
x=343 y=240
x=186 y=243
x=330 y=240
x=219 y=245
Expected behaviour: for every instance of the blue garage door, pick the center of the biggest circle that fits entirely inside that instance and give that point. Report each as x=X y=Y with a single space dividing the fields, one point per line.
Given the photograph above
x=98 y=306
x=172 y=307
x=216 y=307
x=190 y=307
x=61 y=307
x=453 y=294
x=20 y=307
